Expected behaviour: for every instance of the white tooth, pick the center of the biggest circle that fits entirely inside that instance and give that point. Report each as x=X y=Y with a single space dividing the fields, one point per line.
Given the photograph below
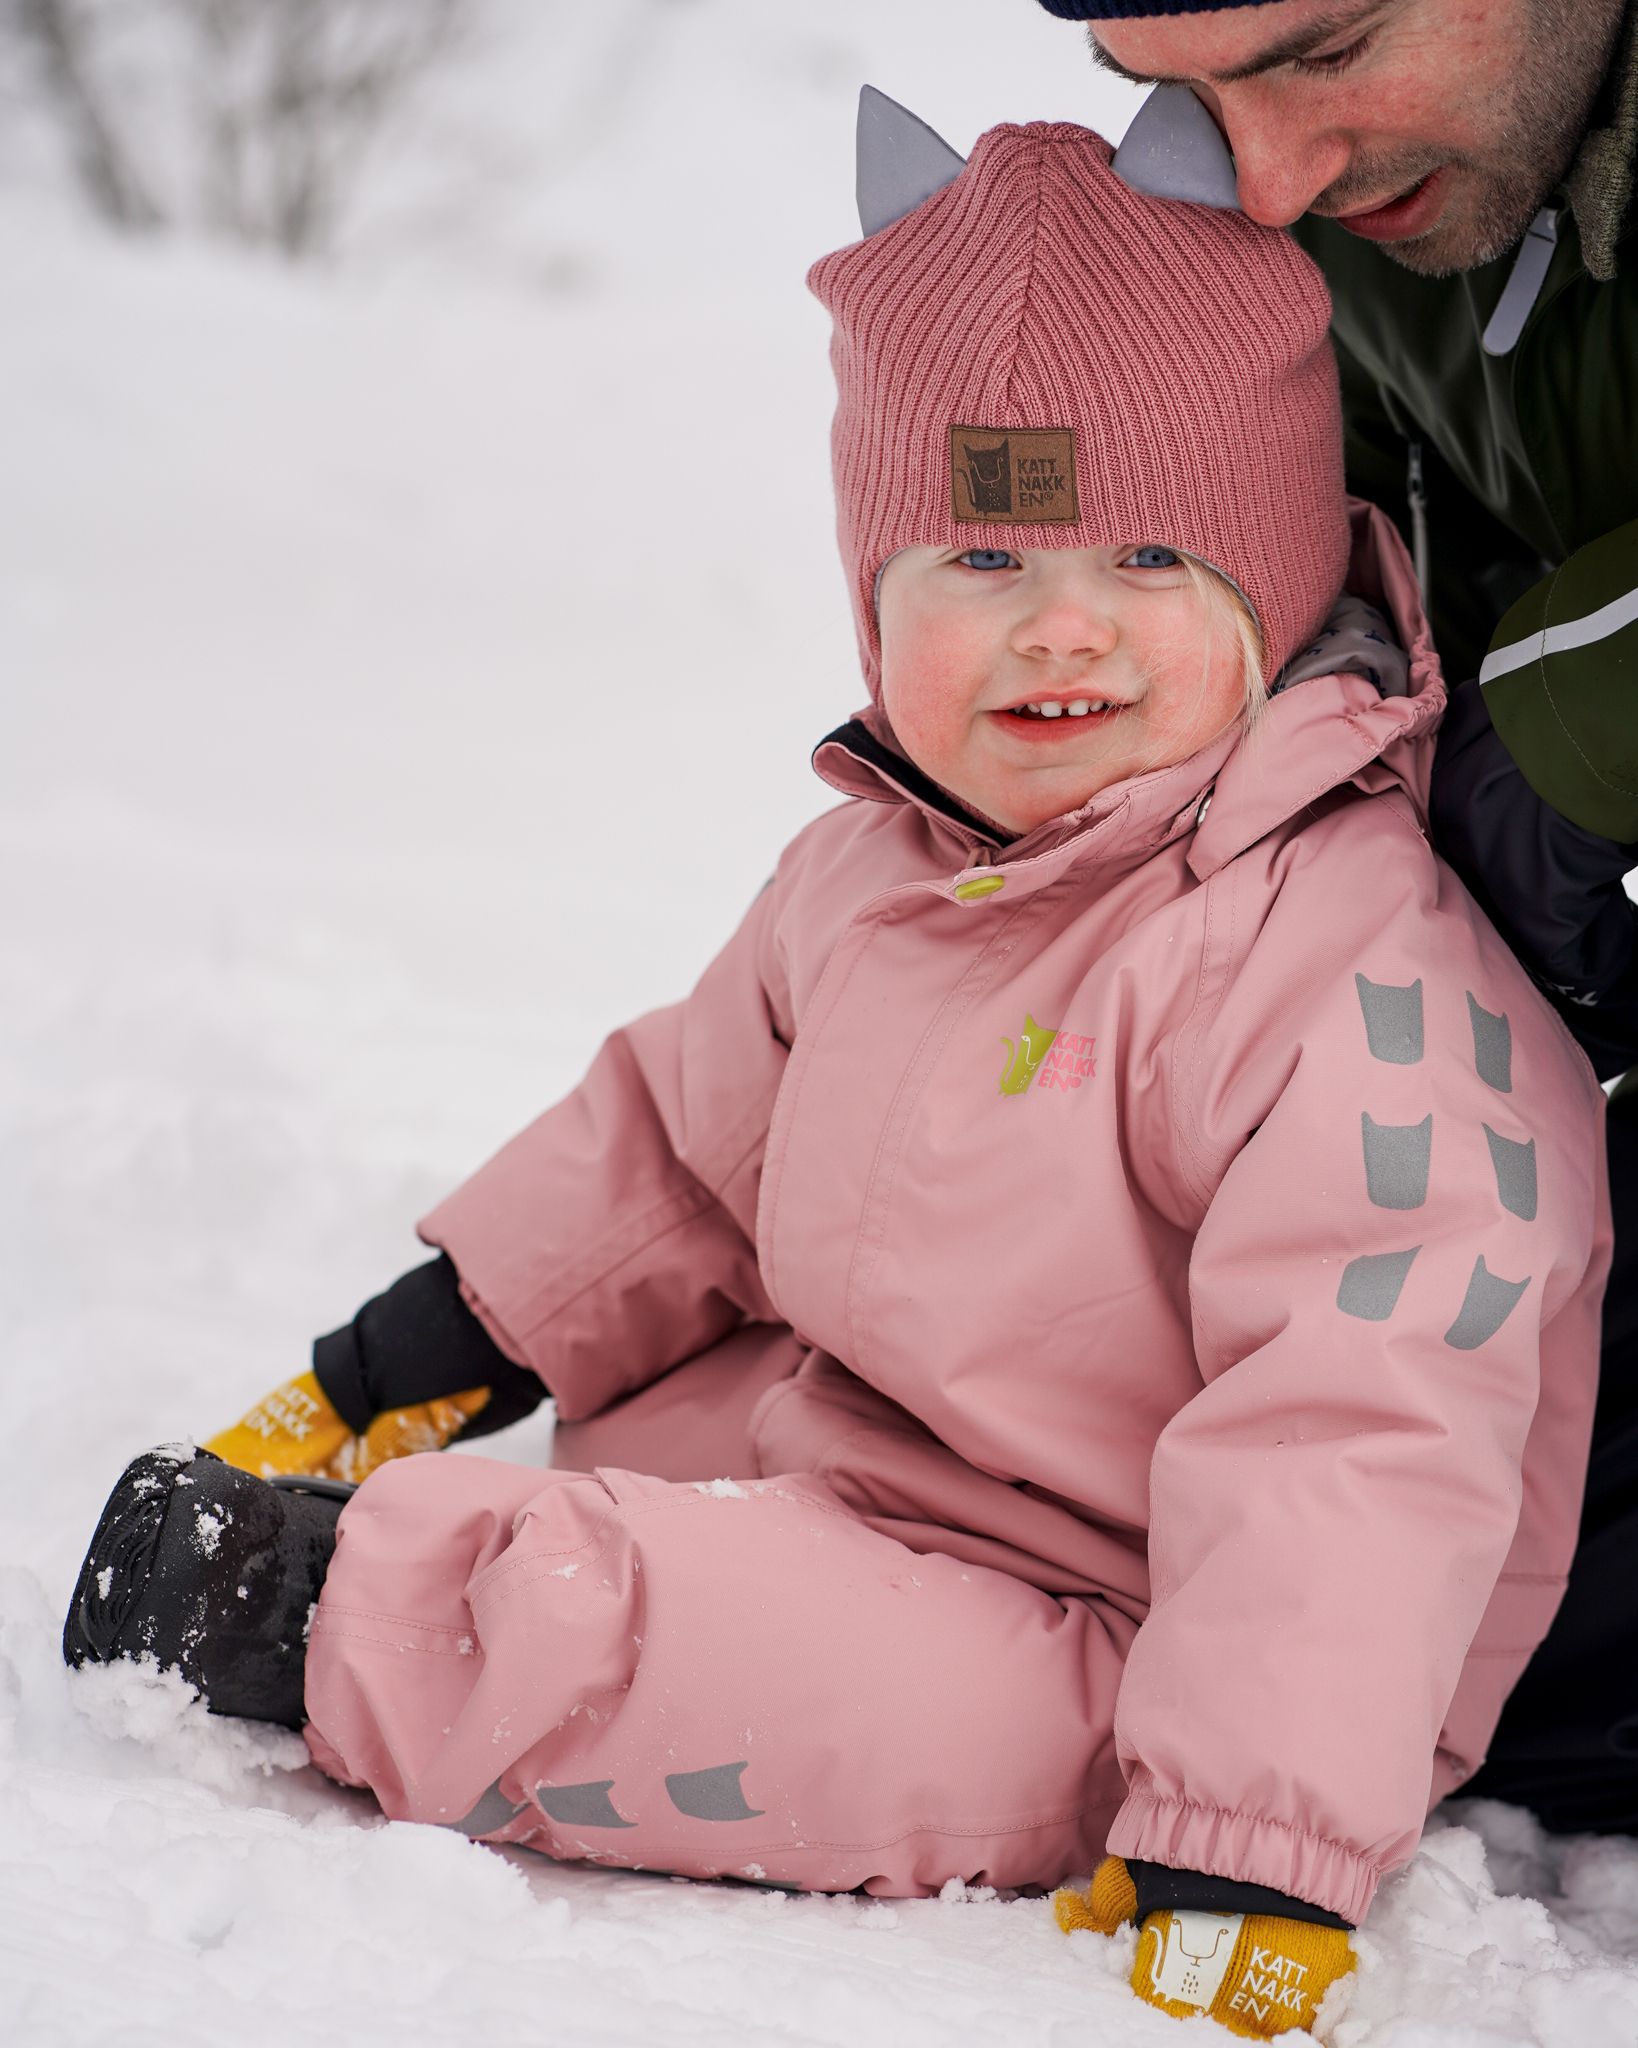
x=1079 y=708
x=1052 y=711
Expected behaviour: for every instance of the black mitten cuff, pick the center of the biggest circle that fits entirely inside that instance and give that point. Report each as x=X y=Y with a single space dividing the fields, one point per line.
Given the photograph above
x=1160 y=1889
x=419 y=1342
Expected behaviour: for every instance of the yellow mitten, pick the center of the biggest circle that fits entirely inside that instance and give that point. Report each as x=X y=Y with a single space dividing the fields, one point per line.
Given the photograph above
x=1260 y=1974
x=296 y=1430
x=293 y=1429
x=1107 y=1903
x=426 y=1427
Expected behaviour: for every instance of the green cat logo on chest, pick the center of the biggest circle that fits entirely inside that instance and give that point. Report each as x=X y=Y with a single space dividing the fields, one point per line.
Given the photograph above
x=1024 y=1059
x=1053 y=1060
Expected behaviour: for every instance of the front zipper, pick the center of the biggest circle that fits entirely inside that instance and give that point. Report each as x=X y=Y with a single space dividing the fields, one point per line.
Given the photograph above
x=1416 y=494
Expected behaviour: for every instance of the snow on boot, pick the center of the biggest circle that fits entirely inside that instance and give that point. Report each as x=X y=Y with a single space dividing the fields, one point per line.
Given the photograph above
x=209 y=1569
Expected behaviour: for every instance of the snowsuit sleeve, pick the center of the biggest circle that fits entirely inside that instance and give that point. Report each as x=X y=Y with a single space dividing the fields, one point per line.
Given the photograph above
x=1401 y=1152
x=614 y=1236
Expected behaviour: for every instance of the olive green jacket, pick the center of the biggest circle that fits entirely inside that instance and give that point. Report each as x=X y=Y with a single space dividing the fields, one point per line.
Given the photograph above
x=1530 y=466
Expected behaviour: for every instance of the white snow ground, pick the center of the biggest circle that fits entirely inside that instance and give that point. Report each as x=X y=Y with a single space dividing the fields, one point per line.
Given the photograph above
x=368 y=750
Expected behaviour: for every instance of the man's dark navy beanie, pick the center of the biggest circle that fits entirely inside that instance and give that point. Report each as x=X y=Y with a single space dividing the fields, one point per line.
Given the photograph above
x=1132 y=10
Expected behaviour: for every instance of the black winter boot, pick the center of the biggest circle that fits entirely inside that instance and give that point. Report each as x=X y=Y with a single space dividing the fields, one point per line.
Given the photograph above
x=209 y=1569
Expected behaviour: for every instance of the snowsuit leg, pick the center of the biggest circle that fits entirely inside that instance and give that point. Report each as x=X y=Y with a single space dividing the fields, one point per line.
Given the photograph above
x=695 y=1422
x=713 y=1679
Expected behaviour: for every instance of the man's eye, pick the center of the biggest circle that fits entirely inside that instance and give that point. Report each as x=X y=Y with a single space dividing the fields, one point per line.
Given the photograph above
x=987 y=558
x=1153 y=558
x=1334 y=62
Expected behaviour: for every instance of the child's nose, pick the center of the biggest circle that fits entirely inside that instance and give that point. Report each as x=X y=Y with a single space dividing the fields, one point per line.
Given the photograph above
x=1066 y=628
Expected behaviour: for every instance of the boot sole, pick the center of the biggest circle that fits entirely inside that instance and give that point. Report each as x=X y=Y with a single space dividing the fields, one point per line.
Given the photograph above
x=120 y=1561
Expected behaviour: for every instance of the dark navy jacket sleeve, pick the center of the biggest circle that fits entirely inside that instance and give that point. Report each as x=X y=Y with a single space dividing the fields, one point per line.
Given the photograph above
x=1552 y=888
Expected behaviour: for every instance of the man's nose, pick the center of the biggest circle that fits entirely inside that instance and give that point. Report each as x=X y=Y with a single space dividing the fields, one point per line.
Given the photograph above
x=1282 y=165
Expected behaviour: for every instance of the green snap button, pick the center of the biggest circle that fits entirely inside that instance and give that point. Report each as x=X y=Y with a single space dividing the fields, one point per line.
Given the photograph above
x=979 y=887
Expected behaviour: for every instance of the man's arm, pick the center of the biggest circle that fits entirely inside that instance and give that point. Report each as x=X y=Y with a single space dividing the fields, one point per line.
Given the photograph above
x=1535 y=782
x=1553 y=889
x=1535 y=790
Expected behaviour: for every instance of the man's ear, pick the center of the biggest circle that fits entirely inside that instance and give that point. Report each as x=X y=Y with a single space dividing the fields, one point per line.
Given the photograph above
x=901 y=162
x=1173 y=150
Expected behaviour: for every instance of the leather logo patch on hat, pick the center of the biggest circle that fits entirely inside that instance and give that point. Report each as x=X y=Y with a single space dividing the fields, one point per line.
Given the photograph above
x=1017 y=476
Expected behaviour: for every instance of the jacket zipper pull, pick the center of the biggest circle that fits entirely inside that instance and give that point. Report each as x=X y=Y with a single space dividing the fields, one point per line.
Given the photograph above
x=1416 y=492
x=1524 y=283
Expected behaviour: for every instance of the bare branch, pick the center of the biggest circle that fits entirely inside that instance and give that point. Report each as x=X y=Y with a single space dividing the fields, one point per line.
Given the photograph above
x=62 y=42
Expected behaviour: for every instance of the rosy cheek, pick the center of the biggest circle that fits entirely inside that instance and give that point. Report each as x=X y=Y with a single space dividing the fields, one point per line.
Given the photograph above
x=933 y=671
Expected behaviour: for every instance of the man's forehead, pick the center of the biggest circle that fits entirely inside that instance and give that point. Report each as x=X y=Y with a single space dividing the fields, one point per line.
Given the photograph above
x=1224 y=46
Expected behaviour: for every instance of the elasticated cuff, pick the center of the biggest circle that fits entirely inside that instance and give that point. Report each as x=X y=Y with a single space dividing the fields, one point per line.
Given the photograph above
x=420 y=1342
x=1161 y=1889
x=1298 y=1865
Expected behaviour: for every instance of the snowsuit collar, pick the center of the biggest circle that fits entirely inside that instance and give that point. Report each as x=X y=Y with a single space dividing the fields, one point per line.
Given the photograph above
x=1600 y=180
x=1330 y=730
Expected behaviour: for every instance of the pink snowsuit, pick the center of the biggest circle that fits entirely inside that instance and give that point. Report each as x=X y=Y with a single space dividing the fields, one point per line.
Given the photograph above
x=1166 y=1434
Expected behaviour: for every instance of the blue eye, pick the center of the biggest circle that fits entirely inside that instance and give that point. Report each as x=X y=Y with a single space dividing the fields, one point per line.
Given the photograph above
x=1153 y=558
x=987 y=558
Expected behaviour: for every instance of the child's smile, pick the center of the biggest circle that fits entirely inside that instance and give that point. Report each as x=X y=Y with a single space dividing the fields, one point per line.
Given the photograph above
x=1054 y=719
x=1025 y=681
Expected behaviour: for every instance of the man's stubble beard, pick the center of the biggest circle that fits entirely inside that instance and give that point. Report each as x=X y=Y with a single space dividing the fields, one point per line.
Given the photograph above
x=1567 y=46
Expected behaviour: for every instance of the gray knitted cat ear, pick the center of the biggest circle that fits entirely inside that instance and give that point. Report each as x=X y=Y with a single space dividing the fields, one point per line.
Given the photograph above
x=1173 y=150
x=901 y=162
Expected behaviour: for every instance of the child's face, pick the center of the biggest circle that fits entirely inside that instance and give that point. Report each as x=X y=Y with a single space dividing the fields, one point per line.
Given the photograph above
x=971 y=637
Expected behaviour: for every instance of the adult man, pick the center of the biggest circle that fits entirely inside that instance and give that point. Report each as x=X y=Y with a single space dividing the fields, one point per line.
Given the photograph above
x=1463 y=171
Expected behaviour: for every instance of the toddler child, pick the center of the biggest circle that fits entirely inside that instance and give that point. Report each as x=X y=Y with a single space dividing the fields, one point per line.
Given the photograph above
x=1079 y=1334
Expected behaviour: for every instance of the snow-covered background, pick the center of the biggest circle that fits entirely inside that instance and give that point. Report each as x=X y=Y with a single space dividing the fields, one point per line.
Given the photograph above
x=407 y=671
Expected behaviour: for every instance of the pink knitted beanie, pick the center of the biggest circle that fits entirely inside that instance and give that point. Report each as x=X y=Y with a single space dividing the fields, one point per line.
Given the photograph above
x=1040 y=357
